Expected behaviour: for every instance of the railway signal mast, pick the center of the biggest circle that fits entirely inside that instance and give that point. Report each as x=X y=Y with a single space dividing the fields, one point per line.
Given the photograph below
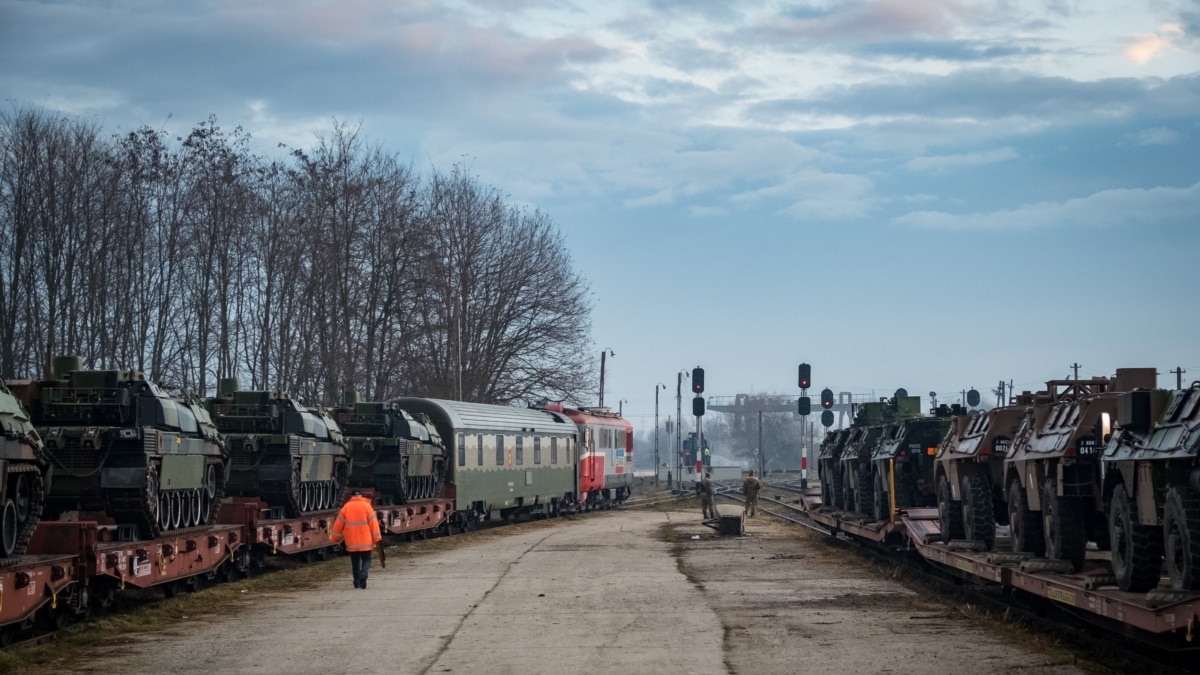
x=803 y=407
x=698 y=411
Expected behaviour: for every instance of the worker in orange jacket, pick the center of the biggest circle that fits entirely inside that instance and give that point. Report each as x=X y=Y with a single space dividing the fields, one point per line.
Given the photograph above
x=357 y=524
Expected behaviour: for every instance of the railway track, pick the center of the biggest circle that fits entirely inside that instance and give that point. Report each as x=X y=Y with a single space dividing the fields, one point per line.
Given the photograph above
x=1117 y=651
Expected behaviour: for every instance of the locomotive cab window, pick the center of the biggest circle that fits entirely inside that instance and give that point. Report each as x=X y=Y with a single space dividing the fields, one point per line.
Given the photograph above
x=520 y=450
x=462 y=449
x=537 y=449
x=499 y=450
x=554 y=451
x=479 y=449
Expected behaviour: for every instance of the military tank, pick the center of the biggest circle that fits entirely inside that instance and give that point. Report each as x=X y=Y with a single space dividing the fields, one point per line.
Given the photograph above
x=119 y=443
x=1152 y=489
x=290 y=455
x=397 y=453
x=25 y=470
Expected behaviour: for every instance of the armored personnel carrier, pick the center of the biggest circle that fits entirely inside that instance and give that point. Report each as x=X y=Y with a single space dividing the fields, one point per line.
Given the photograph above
x=903 y=458
x=291 y=456
x=397 y=453
x=120 y=444
x=1055 y=460
x=856 y=469
x=24 y=468
x=1152 y=489
x=969 y=474
x=829 y=463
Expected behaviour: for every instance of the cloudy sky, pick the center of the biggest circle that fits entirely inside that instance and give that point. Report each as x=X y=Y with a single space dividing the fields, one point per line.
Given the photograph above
x=932 y=194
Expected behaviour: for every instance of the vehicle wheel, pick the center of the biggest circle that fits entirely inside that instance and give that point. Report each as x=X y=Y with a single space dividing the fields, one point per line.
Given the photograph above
x=164 y=510
x=882 y=505
x=1024 y=525
x=864 y=492
x=950 y=514
x=1063 y=526
x=8 y=528
x=185 y=509
x=22 y=497
x=1181 y=538
x=848 y=496
x=979 y=521
x=199 y=516
x=1137 y=551
x=176 y=509
x=835 y=494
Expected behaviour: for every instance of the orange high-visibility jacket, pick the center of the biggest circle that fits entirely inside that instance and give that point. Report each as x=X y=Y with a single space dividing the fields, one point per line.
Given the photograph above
x=358 y=524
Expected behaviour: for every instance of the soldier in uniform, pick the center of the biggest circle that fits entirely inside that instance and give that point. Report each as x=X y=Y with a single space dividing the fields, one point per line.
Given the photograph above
x=705 y=488
x=750 y=490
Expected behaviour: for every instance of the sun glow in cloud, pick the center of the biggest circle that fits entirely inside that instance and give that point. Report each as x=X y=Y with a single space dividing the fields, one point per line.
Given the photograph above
x=1146 y=46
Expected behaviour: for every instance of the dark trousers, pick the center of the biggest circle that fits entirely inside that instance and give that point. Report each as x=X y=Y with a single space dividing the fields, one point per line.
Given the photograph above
x=360 y=564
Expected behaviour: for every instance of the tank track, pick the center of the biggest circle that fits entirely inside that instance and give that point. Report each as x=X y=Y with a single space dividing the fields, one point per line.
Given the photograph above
x=287 y=493
x=37 y=499
x=133 y=505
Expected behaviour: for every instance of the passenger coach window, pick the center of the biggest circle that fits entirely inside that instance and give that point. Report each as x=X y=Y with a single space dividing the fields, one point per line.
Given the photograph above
x=520 y=450
x=479 y=449
x=462 y=449
x=537 y=449
x=499 y=450
x=554 y=451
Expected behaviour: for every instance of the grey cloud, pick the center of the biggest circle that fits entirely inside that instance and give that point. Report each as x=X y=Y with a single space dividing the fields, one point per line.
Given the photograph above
x=1107 y=208
x=950 y=50
x=991 y=95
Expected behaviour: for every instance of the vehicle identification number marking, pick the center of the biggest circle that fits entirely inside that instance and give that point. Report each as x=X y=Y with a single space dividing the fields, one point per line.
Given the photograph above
x=1065 y=597
x=964 y=565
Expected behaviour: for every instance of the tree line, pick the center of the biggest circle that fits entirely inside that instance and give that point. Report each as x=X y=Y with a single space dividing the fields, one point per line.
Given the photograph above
x=335 y=267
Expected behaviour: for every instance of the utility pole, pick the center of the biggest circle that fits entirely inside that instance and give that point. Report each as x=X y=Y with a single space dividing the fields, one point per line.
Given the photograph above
x=761 y=461
x=679 y=426
x=1178 y=376
x=603 y=354
x=1075 y=367
x=657 y=388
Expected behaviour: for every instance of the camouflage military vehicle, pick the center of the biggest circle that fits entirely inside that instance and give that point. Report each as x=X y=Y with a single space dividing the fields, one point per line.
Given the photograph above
x=903 y=458
x=1055 y=465
x=856 y=469
x=291 y=456
x=397 y=453
x=1152 y=489
x=969 y=473
x=23 y=474
x=829 y=463
x=120 y=444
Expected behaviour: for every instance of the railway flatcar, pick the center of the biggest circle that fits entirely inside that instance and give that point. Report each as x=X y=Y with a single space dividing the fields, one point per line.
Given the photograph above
x=505 y=461
x=605 y=443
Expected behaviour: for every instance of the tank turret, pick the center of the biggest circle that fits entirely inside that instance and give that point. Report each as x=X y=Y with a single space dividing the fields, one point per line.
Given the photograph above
x=120 y=444
x=290 y=455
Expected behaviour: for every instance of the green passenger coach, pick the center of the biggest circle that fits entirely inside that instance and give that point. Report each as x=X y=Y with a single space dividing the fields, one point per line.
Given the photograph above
x=503 y=461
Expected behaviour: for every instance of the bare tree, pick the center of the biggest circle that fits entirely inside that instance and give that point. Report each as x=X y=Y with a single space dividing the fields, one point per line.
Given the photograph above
x=502 y=315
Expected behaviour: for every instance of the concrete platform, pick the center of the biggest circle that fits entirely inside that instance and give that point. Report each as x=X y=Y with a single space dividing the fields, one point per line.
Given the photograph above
x=616 y=592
